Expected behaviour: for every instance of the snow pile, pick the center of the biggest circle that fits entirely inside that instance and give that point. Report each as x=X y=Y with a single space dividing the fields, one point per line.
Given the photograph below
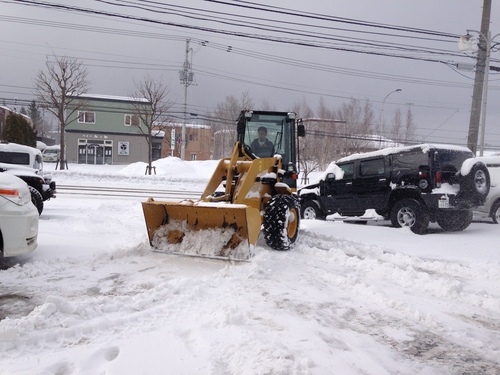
x=176 y=237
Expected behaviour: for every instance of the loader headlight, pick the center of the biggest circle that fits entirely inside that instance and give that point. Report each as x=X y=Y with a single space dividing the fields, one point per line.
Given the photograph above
x=292 y=115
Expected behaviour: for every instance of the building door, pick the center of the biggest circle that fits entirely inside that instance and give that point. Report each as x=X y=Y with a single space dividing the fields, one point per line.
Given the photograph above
x=95 y=152
x=99 y=154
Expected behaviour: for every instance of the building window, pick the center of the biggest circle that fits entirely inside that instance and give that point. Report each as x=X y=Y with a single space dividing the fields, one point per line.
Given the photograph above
x=131 y=120
x=193 y=157
x=86 y=117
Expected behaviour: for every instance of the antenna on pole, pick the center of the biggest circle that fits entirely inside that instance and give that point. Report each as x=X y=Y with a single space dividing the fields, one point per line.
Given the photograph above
x=186 y=76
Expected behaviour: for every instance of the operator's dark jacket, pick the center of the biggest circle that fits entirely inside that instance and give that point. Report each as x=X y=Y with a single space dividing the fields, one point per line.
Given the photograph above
x=262 y=150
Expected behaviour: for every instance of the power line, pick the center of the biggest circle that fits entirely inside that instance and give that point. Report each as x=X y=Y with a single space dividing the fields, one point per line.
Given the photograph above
x=219 y=31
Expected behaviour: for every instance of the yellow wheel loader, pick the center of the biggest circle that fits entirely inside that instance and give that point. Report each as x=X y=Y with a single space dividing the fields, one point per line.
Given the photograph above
x=249 y=192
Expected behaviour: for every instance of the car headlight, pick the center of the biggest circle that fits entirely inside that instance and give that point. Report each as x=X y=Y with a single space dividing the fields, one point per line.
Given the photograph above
x=17 y=196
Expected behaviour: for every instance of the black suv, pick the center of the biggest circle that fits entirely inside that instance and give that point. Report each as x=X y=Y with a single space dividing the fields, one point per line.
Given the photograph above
x=411 y=186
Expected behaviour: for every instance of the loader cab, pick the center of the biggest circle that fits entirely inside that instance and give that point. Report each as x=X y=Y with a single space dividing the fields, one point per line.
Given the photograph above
x=281 y=131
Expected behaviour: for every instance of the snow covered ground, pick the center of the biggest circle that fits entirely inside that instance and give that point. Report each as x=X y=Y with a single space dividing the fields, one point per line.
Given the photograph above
x=348 y=299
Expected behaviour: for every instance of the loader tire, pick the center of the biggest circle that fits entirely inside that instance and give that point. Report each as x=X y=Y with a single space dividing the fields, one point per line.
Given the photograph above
x=281 y=222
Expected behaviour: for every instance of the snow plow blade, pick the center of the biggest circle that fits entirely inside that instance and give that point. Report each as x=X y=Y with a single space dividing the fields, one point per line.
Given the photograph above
x=227 y=231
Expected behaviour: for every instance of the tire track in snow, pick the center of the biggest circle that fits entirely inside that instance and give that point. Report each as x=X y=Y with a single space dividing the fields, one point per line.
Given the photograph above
x=240 y=313
x=68 y=316
x=369 y=271
x=438 y=278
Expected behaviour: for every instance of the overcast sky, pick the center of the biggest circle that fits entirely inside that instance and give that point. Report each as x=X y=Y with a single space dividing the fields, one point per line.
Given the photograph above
x=286 y=52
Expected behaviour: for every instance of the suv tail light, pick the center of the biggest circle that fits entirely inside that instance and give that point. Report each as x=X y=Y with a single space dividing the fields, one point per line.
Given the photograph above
x=438 y=179
x=437 y=165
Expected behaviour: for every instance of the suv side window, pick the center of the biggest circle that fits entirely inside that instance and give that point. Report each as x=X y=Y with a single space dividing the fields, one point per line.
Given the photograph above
x=372 y=167
x=348 y=169
x=20 y=158
x=407 y=162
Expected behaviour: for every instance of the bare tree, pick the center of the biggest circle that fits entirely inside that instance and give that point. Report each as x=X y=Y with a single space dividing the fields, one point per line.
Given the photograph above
x=410 y=132
x=150 y=108
x=355 y=127
x=224 y=124
x=265 y=105
x=397 y=129
x=58 y=88
x=307 y=147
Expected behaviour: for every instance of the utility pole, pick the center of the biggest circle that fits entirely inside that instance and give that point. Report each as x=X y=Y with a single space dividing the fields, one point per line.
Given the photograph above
x=186 y=77
x=477 y=94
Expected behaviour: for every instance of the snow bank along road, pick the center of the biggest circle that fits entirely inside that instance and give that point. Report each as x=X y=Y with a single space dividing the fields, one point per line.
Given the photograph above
x=94 y=299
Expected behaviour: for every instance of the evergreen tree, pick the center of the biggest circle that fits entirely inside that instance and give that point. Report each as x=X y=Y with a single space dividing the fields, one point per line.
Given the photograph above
x=36 y=117
x=18 y=130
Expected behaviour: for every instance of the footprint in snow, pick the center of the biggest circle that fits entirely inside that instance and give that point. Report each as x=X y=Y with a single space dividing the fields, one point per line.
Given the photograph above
x=96 y=363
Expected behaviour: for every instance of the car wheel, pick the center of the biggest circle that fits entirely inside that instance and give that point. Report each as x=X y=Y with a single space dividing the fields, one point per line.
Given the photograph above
x=410 y=213
x=310 y=211
x=455 y=221
x=495 y=213
x=476 y=184
x=281 y=222
x=37 y=199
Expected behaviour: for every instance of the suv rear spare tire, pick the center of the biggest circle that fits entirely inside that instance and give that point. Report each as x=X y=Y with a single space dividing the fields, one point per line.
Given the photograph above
x=476 y=184
x=410 y=213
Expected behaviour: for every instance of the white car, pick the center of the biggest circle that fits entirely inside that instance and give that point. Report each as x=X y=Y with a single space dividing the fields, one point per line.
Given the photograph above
x=51 y=154
x=18 y=217
x=491 y=207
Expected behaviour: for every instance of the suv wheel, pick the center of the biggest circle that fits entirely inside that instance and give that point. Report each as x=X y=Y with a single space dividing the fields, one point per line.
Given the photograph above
x=310 y=211
x=455 y=221
x=37 y=199
x=410 y=213
x=495 y=213
x=476 y=183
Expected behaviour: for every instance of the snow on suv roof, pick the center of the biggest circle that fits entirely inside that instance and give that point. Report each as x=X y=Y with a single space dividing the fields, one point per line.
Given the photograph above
x=395 y=150
x=14 y=147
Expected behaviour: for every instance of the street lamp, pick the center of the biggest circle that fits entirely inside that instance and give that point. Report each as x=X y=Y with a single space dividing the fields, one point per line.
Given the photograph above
x=382 y=130
x=469 y=44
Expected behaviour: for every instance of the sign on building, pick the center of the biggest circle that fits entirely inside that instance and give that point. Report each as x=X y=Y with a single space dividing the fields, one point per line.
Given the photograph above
x=123 y=148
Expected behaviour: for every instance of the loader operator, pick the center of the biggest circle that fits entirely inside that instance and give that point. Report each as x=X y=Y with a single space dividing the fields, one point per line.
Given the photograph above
x=261 y=146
